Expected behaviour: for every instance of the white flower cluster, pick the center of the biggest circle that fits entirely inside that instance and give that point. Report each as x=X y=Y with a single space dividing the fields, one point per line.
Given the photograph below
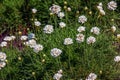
x=55 y=52
x=3 y=44
x=34 y=10
x=48 y=29
x=90 y=40
x=37 y=48
x=58 y=75
x=112 y=5
x=92 y=76
x=82 y=19
x=113 y=28
x=55 y=9
x=6 y=40
x=81 y=29
x=62 y=24
x=102 y=12
x=9 y=38
x=23 y=37
x=37 y=23
x=95 y=30
x=2 y=60
x=80 y=38
x=61 y=15
x=117 y=59
x=68 y=41
x=32 y=44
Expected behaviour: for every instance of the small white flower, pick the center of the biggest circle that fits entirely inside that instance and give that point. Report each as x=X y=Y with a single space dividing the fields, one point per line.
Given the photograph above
x=62 y=24
x=24 y=37
x=102 y=12
x=38 y=48
x=30 y=43
x=3 y=44
x=55 y=9
x=37 y=23
x=81 y=29
x=69 y=9
x=118 y=36
x=80 y=38
x=91 y=40
x=68 y=41
x=60 y=71
x=112 y=5
x=61 y=15
x=100 y=6
x=92 y=76
x=117 y=59
x=82 y=19
x=113 y=28
x=2 y=64
x=95 y=30
x=13 y=37
x=7 y=38
x=55 y=52
x=2 y=56
x=48 y=29
x=57 y=76
x=34 y=10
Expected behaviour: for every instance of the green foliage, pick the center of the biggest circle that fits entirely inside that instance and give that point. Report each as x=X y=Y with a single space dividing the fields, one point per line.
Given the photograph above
x=77 y=60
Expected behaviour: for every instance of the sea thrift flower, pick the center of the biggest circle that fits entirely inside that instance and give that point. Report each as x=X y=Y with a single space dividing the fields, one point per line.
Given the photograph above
x=113 y=28
x=68 y=41
x=95 y=30
x=80 y=38
x=100 y=6
x=55 y=9
x=60 y=71
x=2 y=64
x=3 y=44
x=61 y=15
x=55 y=52
x=2 y=56
x=117 y=59
x=91 y=40
x=13 y=37
x=34 y=10
x=37 y=23
x=118 y=36
x=92 y=76
x=58 y=75
x=38 y=48
x=82 y=19
x=112 y=5
x=62 y=24
x=7 y=38
x=48 y=29
x=69 y=9
x=30 y=43
x=102 y=12
x=24 y=37
x=81 y=29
